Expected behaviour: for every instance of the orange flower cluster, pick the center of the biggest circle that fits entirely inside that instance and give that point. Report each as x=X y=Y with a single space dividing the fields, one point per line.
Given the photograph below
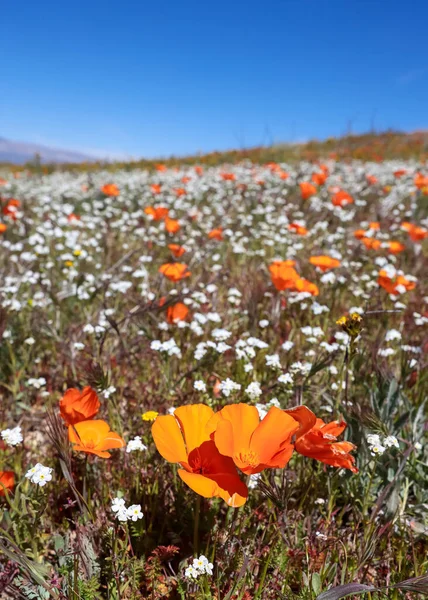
x=174 y=271
x=7 y=482
x=93 y=436
x=210 y=447
x=325 y=263
x=395 y=284
x=285 y=277
x=416 y=233
x=110 y=189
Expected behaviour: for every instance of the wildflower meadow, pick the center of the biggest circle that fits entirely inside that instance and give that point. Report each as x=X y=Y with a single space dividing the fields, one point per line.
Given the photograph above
x=213 y=381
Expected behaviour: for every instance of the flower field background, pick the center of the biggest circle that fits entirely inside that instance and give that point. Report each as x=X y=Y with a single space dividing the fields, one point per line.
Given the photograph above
x=213 y=379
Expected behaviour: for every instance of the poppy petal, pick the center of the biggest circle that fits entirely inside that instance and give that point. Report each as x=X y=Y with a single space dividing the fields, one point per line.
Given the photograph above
x=169 y=439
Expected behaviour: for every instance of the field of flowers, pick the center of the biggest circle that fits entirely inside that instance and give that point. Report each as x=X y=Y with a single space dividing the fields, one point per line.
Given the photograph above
x=213 y=382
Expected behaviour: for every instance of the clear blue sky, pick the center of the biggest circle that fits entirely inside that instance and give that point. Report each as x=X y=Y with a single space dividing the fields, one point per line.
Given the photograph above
x=154 y=78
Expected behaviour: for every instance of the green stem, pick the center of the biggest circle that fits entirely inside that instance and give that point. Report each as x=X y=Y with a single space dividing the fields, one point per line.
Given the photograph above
x=196 y=525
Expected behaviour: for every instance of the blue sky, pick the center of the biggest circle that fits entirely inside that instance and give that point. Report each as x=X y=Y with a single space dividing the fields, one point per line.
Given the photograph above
x=153 y=78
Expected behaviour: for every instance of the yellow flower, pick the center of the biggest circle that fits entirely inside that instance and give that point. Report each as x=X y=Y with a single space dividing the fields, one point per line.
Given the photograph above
x=341 y=321
x=68 y=263
x=77 y=252
x=150 y=415
x=356 y=317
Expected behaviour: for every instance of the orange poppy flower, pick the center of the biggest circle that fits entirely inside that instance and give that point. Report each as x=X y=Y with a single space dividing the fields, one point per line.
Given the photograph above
x=325 y=263
x=416 y=233
x=177 y=312
x=325 y=169
x=3 y=181
x=94 y=437
x=374 y=225
x=303 y=285
x=184 y=438
x=283 y=174
x=216 y=234
x=174 y=271
x=11 y=208
x=158 y=213
x=3 y=227
x=7 y=482
x=228 y=176
x=76 y=405
x=307 y=190
x=371 y=243
x=110 y=189
x=319 y=178
x=72 y=217
x=185 y=180
x=371 y=179
x=393 y=285
x=420 y=181
x=299 y=229
x=252 y=444
x=177 y=250
x=283 y=275
x=395 y=247
x=399 y=173
x=161 y=168
x=199 y=170
x=156 y=188
x=341 y=198
x=320 y=443
x=360 y=234
x=179 y=192
x=172 y=225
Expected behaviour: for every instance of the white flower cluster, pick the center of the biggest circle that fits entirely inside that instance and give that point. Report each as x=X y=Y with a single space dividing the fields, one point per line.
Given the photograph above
x=39 y=474
x=253 y=391
x=135 y=444
x=377 y=446
x=12 y=437
x=200 y=566
x=228 y=386
x=123 y=513
x=169 y=347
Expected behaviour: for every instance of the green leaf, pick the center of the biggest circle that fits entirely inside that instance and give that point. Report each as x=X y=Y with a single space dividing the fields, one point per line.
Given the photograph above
x=341 y=591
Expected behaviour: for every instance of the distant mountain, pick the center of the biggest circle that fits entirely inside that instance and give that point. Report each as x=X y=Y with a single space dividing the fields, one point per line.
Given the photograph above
x=22 y=152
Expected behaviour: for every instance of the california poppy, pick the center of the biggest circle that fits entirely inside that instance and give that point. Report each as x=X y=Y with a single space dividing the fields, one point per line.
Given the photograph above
x=303 y=285
x=156 y=188
x=216 y=234
x=7 y=482
x=371 y=243
x=395 y=284
x=395 y=247
x=420 y=181
x=177 y=312
x=399 y=173
x=110 y=189
x=174 y=271
x=3 y=227
x=161 y=168
x=320 y=443
x=11 y=208
x=307 y=190
x=228 y=176
x=177 y=250
x=325 y=263
x=283 y=275
x=179 y=191
x=371 y=179
x=172 y=225
x=299 y=229
x=76 y=405
x=319 y=178
x=183 y=438
x=94 y=437
x=253 y=445
x=158 y=213
x=341 y=198
x=416 y=233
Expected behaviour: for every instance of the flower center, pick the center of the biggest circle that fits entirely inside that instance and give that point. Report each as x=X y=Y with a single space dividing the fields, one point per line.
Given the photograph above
x=248 y=457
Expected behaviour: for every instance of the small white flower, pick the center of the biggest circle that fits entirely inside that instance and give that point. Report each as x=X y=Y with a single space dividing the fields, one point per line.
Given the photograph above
x=135 y=444
x=134 y=512
x=39 y=474
x=254 y=391
x=78 y=346
x=272 y=361
x=286 y=378
x=228 y=386
x=320 y=501
x=191 y=573
x=199 y=385
x=287 y=345
x=30 y=341
x=12 y=437
x=264 y=323
x=390 y=441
